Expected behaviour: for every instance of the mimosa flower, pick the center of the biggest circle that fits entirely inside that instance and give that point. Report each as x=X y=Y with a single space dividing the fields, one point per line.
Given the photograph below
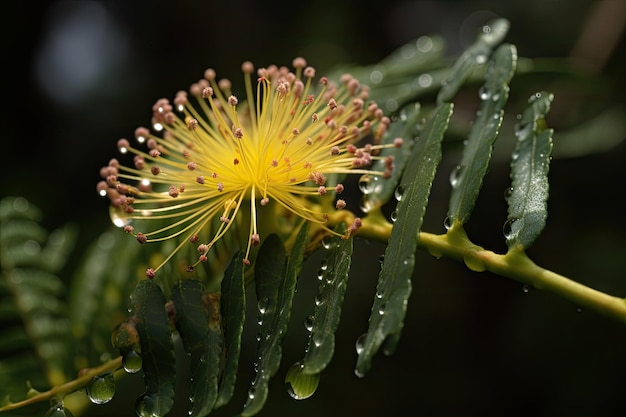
x=212 y=157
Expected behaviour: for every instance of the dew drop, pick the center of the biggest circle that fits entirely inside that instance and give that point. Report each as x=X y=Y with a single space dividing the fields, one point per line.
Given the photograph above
x=381 y=258
x=320 y=275
x=507 y=193
x=324 y=265
x=522 y=130
x=326 y=243
x=58 y=411
x=376 y=77
x=319 y=299
x=118 y=217
x=424 y=43
x=381 y=309
x=399 y=191
x=496 y=97
x=525 y=288
x=365 y=184
x=394 y=216
x=101 y=389
x=507 y=229
x=448 y=222
x=300 y=385
x=131 y=361
x=263 y=304
x=425 y=80
x=481 y=59
x=148 y=405
x=365 y=204
x=455 y=176
x=483 y=93
x=309 y=322
x=359 y=345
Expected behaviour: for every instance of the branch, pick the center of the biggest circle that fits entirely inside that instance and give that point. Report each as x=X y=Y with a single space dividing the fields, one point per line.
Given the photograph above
x=515 y=265
x=69 y=387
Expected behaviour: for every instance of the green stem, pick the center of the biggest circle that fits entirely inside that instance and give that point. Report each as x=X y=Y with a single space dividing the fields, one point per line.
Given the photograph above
x=62 y=390
x=515 y=265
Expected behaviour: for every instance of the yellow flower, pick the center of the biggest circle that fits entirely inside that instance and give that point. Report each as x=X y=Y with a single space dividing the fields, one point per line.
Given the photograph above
x=211 y=157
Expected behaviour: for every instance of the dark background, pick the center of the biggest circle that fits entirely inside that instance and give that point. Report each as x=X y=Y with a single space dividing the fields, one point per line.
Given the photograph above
x=80 y=75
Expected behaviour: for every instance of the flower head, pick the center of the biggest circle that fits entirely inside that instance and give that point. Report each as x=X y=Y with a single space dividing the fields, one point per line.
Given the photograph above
x=212 y=157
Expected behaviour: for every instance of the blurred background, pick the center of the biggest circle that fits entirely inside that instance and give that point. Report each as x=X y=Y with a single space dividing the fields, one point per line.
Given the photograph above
x=81 y=74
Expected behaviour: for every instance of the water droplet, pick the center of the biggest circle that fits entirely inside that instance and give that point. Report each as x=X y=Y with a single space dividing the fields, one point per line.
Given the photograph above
x=320 y=274
x=579 y=310
x=481 y=59
x=376 y=77
x=381 y=309
x=263 y=304
x=366 y=204
x=131 y=361
x=319 y=299
x=299 y=384
x=448 y=222
x=148 y=405
x=507 y=229
x=522 y=130
x=381 y=258
x=424 y=44
x=425 y=80
x=455 y=176
x=496 y=97
x=379 y=294
x=101 y=389
x=369 y=184
x=507 y=193
x=399 y=191
x=515 y=156
x=359 y=345
x=525 y=288
x=326 y=243
x=394 y=216
x=324 y=265
x=118 y=216
x=58 y=411
x=534 y=98
x=309 y=322
x=484 y=93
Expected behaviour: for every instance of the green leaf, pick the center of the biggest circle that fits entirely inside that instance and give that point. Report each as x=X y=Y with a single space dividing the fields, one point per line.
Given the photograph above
x=412 y=71
x=529 y=172
x=467 y=178
x=325 y=318
x=394 y=281
x=100 y=290
x=274 y=292
x=377 y=190
x=475 y=56
x=198 y=323
x=157 y=350
x=233 y=304
x=34 y=309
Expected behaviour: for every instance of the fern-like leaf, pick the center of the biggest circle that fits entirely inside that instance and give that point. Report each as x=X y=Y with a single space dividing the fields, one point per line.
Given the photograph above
x=467 y=178
x=529 y=171
x=394 y=282
x=36 y=337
